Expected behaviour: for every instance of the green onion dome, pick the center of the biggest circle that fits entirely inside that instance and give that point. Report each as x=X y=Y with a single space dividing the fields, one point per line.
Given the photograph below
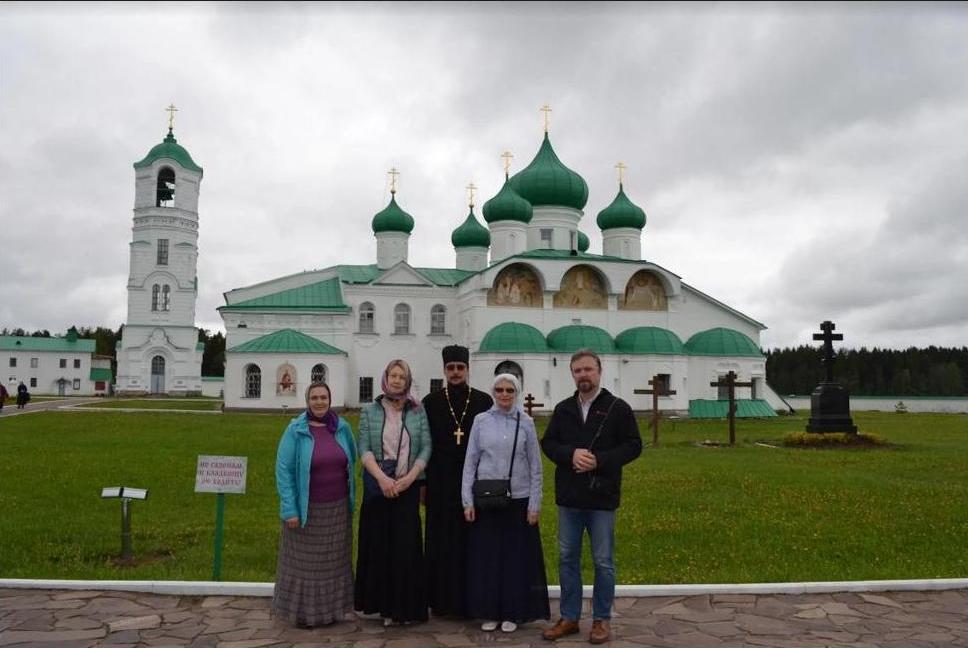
x=722 y=342
x=649 y=339
x=569 y=339
x=392 y=219
x=172 y=150
x=621 y=213
x=513 y=337
x=507 y=205
x=546 y=181
x=471 y=234
x=583 y=242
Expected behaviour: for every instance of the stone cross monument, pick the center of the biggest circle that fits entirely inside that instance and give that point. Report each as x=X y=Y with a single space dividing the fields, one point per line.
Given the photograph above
x=830 y=401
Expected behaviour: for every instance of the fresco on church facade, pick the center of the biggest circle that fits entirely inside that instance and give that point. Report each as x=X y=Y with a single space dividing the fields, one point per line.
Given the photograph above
x=516 y=285
x=582 y=287
x=286 y=380
x=644 y=291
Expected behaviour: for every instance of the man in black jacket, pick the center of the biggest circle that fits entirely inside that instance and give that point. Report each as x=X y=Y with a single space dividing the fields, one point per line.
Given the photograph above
x=589 y=438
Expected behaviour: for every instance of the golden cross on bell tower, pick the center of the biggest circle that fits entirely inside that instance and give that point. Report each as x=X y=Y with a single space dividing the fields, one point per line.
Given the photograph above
x=621 y=168
x=546 y=109
x=507 y=163
x=393 y=173
x=470 y=194
x=171 y=110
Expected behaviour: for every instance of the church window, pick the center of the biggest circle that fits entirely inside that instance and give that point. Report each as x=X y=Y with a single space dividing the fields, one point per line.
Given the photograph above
x=63 y=363
x=166 y=297
x=77 y=363
x=13 y=362
x=155 y=290
x=438 y=320
x=436 y=384
x=366 y=389
x=401 y=319
x=665 y=380
x=318 y=374
x=366 y=317
x=162 y=252
x=573 y=240
x=77 y=383
x=253 y=381
x=33 y=363
x=33 y=382
x=165 y=196
x=723 y=390
x=546 y=238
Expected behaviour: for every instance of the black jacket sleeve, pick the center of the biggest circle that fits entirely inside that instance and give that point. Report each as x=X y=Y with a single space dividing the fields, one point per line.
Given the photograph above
x=552 y=444
x=624 y=429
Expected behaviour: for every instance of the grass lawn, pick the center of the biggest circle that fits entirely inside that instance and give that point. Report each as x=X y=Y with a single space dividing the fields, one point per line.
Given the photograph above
x=158 y=403
x=690 y=514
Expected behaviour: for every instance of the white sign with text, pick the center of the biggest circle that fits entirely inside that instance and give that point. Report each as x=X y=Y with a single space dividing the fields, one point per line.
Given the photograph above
x=220 y=474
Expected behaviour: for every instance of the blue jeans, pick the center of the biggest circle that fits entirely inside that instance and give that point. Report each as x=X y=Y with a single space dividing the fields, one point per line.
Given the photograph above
x=601 y=531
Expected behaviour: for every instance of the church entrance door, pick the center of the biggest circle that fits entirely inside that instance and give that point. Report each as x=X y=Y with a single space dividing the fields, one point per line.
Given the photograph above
x=61 y=388
x=158 y=375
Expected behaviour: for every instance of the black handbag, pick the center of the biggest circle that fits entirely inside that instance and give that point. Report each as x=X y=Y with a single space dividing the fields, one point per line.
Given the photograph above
x=371 y=487
x=495 y=494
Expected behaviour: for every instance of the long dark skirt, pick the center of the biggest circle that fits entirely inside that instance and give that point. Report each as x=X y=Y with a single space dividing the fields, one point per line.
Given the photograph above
x=505 y=567
x=314 y=576
x=446 y=547
x=390 y=576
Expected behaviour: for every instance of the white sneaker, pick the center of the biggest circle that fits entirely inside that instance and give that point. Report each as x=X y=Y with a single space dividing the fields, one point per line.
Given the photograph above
x=387 y=622
x=489 y=626
x=509 y=626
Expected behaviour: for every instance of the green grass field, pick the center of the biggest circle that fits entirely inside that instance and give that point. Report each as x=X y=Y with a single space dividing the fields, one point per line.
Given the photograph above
x=690 y=514
x=157 y=403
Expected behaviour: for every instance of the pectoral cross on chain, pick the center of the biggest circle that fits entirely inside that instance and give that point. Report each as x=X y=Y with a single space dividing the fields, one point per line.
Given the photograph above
x=458 y=434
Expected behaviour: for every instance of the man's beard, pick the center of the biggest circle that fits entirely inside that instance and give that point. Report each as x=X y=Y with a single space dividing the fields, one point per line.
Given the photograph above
x=586 y=386
x=456 y=382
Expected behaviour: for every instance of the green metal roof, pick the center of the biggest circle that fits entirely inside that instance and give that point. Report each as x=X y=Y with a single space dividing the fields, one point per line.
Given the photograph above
x=567 y=254
x=722 y=342
x=649 y=339
x=546 y=181
x=358 y=274
x=26 y=343
x=621 y=213
x=322 y=295
x=101 y=373
x=745 y=408
x=444 y=276
x=507 y=205
x=514 y=337
x=569 y=339
x=171 y=150
x=286 y=341
x=471 y=233
x=392 y=219
x=583 y=242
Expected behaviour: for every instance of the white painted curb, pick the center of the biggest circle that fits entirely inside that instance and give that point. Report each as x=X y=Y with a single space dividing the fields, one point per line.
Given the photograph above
x=212 y=588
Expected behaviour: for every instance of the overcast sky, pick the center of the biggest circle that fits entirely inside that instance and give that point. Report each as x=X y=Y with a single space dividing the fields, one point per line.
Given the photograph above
x=797 y=162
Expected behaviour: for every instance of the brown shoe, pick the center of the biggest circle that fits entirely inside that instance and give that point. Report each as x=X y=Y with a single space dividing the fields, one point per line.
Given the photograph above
x=600 y=632
x=562 y=628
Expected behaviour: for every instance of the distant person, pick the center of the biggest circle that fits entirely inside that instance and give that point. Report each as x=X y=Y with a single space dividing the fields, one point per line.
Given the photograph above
x=505 y=565
x=23 y=396
x=315 y=477
x=3 y=396
x=394 y=446
x=590 y=437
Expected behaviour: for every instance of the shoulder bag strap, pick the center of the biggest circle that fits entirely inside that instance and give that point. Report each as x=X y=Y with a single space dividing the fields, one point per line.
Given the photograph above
x=514 y=445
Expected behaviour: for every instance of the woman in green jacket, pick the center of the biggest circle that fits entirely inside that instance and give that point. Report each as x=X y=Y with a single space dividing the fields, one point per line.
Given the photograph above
x=394 y=447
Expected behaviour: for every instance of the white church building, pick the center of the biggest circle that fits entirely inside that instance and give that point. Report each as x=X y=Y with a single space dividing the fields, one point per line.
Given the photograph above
x=523 y=295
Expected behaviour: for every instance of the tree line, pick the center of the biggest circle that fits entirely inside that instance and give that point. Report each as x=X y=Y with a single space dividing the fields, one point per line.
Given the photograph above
x=106 y=340
x=933 y=371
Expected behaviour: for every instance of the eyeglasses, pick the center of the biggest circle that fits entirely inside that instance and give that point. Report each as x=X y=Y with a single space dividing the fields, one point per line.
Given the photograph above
x=504 y=390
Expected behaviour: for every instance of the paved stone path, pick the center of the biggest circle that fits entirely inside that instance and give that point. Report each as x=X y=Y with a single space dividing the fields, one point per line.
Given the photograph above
x=83 y=619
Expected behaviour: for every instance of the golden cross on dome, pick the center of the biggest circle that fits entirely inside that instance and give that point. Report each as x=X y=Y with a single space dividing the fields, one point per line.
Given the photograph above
x=621 y=168
x=171 y=110
x=507 y=163
x=393 y=173
x=546 y=109
x=470 y=193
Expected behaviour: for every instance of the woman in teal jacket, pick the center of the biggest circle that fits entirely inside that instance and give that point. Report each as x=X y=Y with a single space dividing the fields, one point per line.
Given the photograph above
x=394 y=450
x=315 y=468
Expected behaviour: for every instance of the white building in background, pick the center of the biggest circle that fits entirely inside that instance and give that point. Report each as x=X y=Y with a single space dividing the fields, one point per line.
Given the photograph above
x=159 y=351
x=62 y=366
x=539 y=297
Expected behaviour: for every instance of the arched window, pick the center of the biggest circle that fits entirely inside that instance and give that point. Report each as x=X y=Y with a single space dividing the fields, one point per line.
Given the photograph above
x=318 y=373
x=438 y=320
x=166 y=297
x=154 y=296
x=165 y=196
x=511 y=367
x=158 y=375
x=401 y=319
x=366 y=317
x=253 y=381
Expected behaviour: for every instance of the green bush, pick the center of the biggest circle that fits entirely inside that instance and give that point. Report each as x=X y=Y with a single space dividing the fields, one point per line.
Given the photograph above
x=833 y=440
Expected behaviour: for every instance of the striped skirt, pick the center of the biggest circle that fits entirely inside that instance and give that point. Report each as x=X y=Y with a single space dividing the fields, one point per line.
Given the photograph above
x=314 y=578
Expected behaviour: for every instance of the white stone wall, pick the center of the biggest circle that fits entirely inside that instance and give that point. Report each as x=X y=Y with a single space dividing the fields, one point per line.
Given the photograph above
x=622 y=242
x=562 y=221
x=48 y=372
x=471 y=258
x=268 y=364
x=391 y=249
x=507 y=239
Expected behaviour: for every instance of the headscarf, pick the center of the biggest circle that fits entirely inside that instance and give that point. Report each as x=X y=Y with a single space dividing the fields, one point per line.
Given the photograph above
x=407 y=392
x=329 y=419
x=511 y=378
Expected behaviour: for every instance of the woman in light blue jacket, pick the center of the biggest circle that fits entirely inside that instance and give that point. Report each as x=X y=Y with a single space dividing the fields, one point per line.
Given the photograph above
x=315 y=466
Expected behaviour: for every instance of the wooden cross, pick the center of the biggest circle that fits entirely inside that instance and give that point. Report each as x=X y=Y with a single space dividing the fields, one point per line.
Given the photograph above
x=621 y=168
x=393 y=173
x=828 y=336
x=470 y=193
x=729 y=380
x=171 y=110
x=546 y=109
x=659 y=388
x=507 y=163
x=529 y=403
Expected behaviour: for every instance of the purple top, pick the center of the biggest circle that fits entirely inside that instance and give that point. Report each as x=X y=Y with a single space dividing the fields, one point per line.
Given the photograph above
x=328 y=479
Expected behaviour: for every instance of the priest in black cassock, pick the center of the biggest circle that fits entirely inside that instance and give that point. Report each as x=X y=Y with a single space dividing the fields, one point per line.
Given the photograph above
x=451 y=413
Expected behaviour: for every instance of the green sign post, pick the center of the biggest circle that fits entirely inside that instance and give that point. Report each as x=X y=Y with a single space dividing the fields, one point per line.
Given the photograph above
x=220 y=475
